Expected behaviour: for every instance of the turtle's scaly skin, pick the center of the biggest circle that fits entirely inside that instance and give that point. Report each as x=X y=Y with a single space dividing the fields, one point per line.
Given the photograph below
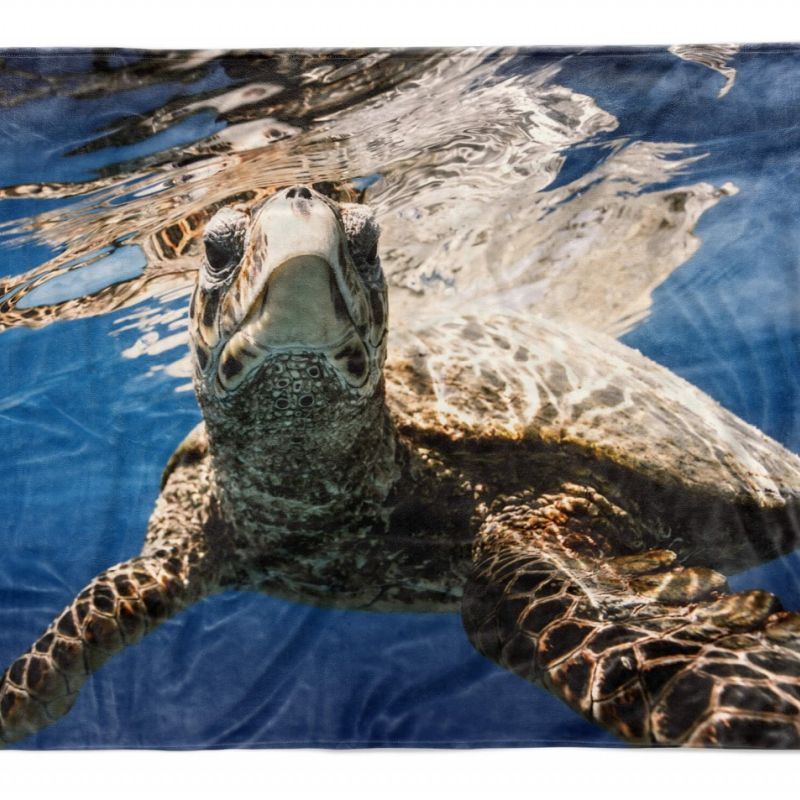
x=550 y=471
x=115 y=610
x=656 y=654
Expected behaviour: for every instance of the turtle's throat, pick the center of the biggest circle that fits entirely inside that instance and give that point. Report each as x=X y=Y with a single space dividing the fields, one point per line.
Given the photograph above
x=341 y=462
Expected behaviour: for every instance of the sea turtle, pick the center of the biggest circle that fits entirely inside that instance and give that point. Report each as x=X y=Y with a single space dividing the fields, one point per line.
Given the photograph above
x=569 y=495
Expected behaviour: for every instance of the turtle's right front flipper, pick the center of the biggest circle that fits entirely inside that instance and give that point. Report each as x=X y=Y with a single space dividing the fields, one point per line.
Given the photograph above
x=656 y=653
x=116 y=609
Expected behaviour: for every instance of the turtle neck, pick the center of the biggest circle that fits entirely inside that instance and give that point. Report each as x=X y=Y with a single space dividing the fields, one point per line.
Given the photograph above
x=300 y=444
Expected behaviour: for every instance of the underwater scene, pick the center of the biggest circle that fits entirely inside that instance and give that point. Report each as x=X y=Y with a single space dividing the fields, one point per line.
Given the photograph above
x=649 y=196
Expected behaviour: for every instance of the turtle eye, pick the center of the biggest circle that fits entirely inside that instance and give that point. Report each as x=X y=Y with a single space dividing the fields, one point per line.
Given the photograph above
x=224 y=239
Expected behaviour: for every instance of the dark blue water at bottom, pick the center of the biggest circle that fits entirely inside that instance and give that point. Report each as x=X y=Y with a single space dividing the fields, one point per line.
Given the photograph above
x=86 y=434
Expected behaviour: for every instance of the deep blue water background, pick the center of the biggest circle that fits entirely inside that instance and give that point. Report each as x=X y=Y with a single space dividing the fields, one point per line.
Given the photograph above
x=86 y=434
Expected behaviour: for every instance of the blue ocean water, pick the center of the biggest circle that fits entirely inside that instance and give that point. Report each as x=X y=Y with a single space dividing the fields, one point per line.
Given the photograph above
x=87 y=432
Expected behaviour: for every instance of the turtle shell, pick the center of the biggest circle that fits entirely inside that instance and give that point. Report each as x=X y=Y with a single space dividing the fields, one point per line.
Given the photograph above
x=526 y=378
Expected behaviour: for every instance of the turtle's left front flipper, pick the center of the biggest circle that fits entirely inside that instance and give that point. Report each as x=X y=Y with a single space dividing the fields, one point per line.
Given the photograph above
x=655 y=653
x=116 y=609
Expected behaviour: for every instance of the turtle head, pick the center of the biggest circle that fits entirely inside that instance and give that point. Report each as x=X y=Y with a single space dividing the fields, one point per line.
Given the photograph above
x=289 y=313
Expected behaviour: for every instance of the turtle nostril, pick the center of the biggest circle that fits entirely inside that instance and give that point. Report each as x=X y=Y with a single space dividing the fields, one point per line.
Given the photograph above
x=298 y=191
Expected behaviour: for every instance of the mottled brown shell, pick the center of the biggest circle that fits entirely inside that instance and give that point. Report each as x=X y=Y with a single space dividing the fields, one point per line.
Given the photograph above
x=528 y=378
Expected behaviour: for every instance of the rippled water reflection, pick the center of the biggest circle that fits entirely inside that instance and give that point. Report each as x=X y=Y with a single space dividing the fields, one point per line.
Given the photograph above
x=567 y=184
x=460 y=194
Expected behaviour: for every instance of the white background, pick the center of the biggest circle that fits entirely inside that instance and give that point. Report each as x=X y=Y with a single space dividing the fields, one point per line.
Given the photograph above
x=557 y=774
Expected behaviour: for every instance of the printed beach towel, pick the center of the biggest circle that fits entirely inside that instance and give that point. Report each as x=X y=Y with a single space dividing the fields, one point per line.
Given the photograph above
x=400 y=398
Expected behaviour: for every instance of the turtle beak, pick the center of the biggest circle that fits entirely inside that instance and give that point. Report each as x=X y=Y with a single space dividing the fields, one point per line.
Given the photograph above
x=297 y=289
x=305 y=293
x=295 y=223
x=299 y=257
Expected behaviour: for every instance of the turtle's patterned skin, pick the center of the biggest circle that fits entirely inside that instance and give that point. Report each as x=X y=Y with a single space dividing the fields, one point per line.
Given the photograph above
x=574 y=498
x=655 y=653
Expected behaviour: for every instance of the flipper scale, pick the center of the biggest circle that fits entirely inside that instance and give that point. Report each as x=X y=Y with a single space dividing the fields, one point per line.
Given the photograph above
x=657 y=654
x=116 y=609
